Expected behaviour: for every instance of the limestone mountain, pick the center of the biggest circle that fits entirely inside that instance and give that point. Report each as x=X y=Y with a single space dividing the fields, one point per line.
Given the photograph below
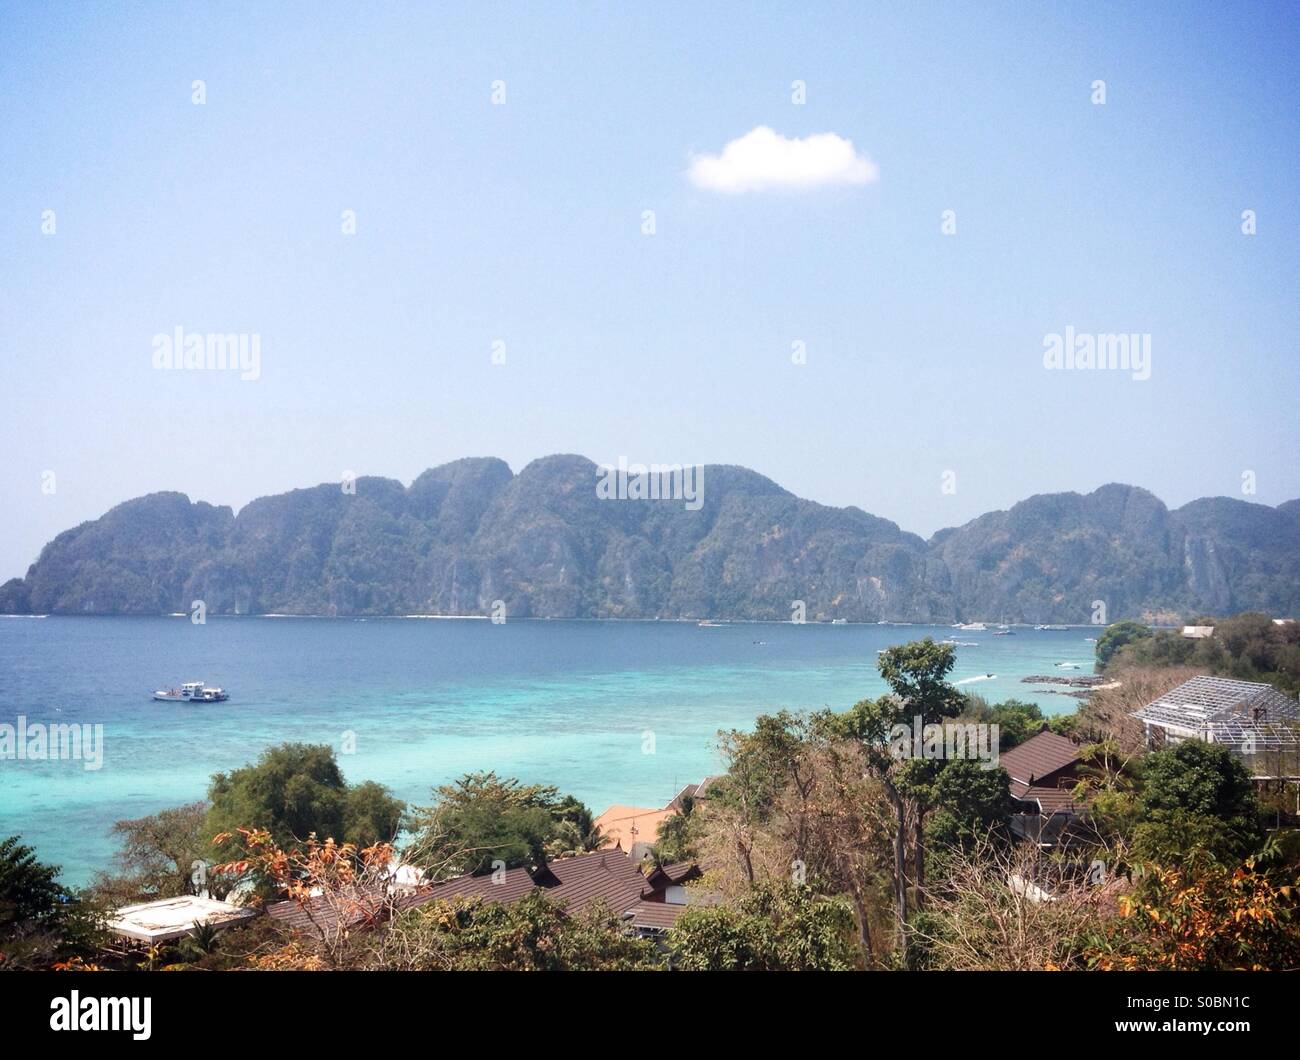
x=543 y=542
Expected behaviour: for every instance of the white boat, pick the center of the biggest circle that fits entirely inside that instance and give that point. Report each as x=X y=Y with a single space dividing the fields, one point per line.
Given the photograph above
x=974 y=627
x=192 y=692
x=839 y=621
x=1054 y=629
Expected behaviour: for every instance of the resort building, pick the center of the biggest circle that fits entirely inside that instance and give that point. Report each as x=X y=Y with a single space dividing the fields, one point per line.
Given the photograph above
x=169 y=919
x=1250 y=717
x=633 y=829
x=1198 y=632
x=649 y=904
x=1044 y=773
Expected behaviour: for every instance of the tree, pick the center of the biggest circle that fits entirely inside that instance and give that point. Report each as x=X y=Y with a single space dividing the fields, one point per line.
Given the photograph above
x=482 y=819
x=775 y=927
x=1016 y=721
x=576 y=829
x=1196 y=798
x=677 y=838
x=341 y=889
x=972 y=803
x=158 y=854
x=1217 y=918
x=295 y=791
x=1115 y=636
x=868 y=724
x=40 y=920
x=532 y=934
x=742 y=801
x=917 y=672
x=1003 y=907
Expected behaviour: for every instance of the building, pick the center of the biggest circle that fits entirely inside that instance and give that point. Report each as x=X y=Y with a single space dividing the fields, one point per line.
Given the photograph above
x=649 y=904
x=1198 y=632
x=1044 y=771
x=633 y=829
x=169 y=919
x=1249 y=717
x=693 y=792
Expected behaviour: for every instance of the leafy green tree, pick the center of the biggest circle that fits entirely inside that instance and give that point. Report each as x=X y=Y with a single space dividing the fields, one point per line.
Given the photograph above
x=532 y=934
x=1016 y=720
x=1196 y=799
x=774 y=927
x=970 y=802
x=1115 y=636
x=370 y=814
x=40 y=920
x=576 y=829
x=481 y=818
x=917 y=672
x=678 y=836
x=296 y=790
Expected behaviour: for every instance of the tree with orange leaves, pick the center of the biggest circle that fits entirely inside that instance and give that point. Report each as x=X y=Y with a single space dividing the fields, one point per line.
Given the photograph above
x=1180 y=919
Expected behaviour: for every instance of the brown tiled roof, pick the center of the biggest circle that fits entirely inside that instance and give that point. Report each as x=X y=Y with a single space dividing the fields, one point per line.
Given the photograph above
x=655 y=916
x=1038 y=756
x=1050 y=800
x=577 y=882
x=603 y=875
x=318 y=916
x=511 y=885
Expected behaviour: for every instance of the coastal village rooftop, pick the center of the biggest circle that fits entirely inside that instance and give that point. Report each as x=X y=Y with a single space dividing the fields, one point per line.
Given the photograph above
x=168 y=919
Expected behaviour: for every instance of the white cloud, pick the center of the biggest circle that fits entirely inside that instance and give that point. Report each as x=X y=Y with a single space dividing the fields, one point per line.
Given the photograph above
x=763 y=160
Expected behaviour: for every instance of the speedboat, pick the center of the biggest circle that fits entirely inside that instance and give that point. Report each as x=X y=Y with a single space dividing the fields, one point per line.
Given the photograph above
x=192 y=692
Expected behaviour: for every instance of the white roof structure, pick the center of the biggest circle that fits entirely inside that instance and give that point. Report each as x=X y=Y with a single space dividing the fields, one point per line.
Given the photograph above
x=1248 y=716
x=1198 y=632
x=174 y=918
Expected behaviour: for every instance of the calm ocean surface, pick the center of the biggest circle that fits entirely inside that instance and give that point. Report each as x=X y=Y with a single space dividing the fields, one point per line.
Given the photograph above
x=565 y=703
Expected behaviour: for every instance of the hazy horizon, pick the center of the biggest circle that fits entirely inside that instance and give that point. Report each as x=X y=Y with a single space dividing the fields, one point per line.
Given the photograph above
x=913 y=201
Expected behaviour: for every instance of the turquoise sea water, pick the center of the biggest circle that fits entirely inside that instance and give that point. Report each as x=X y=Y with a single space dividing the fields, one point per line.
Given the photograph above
x=564 y=703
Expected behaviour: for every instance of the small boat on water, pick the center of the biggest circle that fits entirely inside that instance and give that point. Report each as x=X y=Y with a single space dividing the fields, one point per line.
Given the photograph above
x=706 y=624
x=1004 y=633
x=192 y=692
x=1054 y=629
x=839 y=621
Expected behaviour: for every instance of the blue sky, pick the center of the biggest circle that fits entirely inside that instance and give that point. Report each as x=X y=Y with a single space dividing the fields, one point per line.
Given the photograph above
x=522 y=223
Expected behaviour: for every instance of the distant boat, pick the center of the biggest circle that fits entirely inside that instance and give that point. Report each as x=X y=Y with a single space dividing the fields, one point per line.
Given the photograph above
x=839 y=621
x=974 y=627
x=1055 y=629
x=192 y=692
x=706 y=624
x=1004 y=633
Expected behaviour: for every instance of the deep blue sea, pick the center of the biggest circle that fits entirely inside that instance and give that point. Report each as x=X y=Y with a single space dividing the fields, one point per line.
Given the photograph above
x=564 y=703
